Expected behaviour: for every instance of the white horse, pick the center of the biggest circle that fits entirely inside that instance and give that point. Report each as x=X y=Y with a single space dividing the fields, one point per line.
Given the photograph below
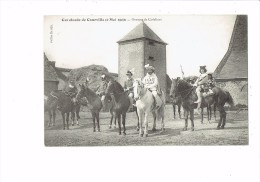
x=145 y=104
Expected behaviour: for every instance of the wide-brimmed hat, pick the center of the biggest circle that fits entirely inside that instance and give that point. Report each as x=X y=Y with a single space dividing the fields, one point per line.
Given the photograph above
x=129 y=73
x=203 y=68
x=149 y=67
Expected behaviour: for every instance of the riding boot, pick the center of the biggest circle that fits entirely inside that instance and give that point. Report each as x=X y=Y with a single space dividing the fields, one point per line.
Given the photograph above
x=130 y=109
x=158 y=102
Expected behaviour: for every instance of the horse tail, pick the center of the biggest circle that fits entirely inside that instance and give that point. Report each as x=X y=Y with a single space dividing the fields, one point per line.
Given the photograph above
x=230 y=100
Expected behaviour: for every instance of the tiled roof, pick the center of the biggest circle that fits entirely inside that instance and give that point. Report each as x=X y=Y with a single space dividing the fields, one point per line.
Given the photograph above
x=234 y=64
x=49 y=72
x=139 y=32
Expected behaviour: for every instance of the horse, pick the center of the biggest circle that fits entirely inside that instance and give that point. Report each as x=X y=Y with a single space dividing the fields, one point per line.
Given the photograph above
x=188 y=95
x=176 y=102
x=145 y=105
x=94 y=104
x=209 y=101
x=120 y=103
x=65 y=104
x=50 y=106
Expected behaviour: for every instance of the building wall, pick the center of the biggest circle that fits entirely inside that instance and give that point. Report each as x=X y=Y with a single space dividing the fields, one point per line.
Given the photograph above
x=131 y=55
x=238 y=90
x=50 y=86
x=157 y=54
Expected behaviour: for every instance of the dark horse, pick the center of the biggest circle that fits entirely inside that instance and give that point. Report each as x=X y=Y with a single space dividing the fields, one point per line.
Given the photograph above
x=188 y=95
x=176 y=102
x=50 y=106
x=94 y=104
x=120 y=102
x=65 y=105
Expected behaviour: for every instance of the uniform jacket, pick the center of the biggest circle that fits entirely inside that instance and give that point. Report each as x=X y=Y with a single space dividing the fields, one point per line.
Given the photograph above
x=150 y=81
x=202 y=79
x=129 y=84
x=102 y=88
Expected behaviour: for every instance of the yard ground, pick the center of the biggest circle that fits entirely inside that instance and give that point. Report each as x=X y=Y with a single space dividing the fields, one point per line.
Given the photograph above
x=235 y=132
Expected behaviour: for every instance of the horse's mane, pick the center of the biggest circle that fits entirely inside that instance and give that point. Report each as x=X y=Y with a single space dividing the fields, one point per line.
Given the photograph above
x=183 y=85
x=118 y=86
x=91 y=92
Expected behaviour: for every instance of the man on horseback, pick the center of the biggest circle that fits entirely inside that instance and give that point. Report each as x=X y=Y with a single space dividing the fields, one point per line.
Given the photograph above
x=102 y=88
x=128 y=86
x=150 y=82
x=202 y=79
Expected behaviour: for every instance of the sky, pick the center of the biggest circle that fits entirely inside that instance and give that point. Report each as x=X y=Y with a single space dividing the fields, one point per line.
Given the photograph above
x=193 y=40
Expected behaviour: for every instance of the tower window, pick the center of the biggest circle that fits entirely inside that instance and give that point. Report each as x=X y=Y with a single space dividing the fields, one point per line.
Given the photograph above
x=151 y=58
x=151 y=43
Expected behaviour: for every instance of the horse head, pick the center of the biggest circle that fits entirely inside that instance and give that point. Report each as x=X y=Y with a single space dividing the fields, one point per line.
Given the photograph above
x=138 y=88
x=174 y=87
x=81 y=91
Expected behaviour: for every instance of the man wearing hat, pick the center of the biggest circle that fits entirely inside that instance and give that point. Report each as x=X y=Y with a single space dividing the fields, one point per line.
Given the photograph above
x=128 y=86
x=150 y=82
x=72 y=89
x=202 y=79
x=102 y=88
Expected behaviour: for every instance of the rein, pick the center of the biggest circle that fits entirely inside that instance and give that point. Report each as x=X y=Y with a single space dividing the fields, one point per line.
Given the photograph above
x=54 y=96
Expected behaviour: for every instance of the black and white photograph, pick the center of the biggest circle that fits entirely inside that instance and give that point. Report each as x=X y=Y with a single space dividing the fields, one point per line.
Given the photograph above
x=145 y=80
x=148 y=91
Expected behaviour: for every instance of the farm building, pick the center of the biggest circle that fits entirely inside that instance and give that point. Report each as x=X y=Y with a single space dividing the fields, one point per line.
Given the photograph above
x=50 y=76
x=232 y=72
x=139 y=47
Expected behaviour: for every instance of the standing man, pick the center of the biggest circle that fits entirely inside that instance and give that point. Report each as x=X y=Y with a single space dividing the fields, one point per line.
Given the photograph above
x=102 y=88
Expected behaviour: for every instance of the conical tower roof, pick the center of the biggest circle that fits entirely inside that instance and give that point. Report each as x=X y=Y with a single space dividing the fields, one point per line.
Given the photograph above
x=141 y=31
x=235 y=62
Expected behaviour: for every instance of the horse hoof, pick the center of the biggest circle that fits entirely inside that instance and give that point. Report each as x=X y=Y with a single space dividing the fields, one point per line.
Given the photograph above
x=98 y=130
x=163 y=129
x=145 y=135
x=141 y=135
x=64 y=128
x=222 y=127
x=109 y=127
x=192 y=129
x=94 y=130
x=184 y=129
x=137 y=129
x=154 y=129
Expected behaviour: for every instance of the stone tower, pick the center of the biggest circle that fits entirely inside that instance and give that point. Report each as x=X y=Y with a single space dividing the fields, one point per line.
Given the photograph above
x=139 y=47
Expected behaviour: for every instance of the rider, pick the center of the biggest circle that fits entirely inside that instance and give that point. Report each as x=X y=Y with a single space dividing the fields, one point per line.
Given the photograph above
x=72 y=89
x=102 y=88
x=128 y=86
x=150 y=82
x=211 y=81
x=202 y=79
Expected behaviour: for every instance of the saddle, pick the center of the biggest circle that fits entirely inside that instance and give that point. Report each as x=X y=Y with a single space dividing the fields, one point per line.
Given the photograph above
x=207 y=91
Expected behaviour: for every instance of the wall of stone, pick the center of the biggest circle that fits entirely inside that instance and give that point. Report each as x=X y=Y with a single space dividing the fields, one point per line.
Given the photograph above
x=238 y=90
x=155 y=55
x=131 y=55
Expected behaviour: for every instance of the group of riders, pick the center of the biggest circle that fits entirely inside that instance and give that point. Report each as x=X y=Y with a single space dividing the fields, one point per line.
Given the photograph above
x=204 y=83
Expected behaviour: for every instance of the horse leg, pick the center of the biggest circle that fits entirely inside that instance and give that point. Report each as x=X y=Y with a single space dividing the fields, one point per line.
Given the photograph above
x=145 y=125
x=214 y=108
x=50 y=116
x=154 y=120
x=179 y=111
x=97 y=117
x=63 y=119
x=221 y=116
x=123 y=121
x=54 y=117
x=67 y=119
x=161 y=113
x=186 y=120
x=141 y=115
x=93 y=119
x=224 y=115
x=210 y=113
x=202 y=115
x=115 y=117
x=118 y=116
x=77 y=115
x=111 y=120
x=73 y=118
x=138 y=124
x=192 y=119
x=173 y=106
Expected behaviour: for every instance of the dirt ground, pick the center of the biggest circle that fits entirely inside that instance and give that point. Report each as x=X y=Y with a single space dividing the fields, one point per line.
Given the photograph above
x=235 y=132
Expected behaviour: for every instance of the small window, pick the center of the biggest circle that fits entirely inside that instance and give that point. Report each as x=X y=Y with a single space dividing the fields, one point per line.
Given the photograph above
x=151 y=58
x=151 y=43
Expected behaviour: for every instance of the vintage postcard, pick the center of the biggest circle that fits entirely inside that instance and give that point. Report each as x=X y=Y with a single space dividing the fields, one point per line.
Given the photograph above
x=146 y=80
